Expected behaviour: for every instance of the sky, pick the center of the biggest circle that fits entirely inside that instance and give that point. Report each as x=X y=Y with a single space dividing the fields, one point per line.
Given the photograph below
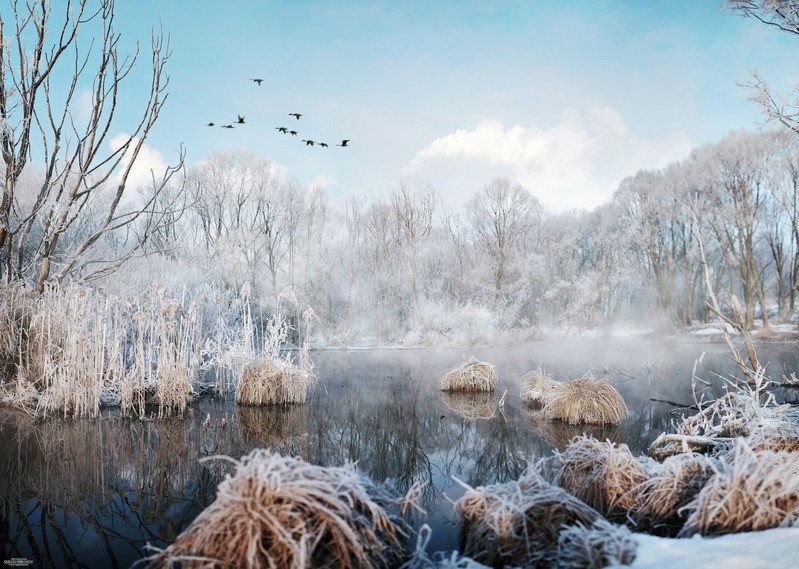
x=566 y=98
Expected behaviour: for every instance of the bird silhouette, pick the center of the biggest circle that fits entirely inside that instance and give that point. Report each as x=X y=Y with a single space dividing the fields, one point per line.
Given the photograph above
x=227 y=126
x=258 y=81
x=210 y=124
x=240 y=120
x=309 y=142
x=293 y=132
x=323 y=144
x=295 y=115
x=282 y=129
x=344 y=142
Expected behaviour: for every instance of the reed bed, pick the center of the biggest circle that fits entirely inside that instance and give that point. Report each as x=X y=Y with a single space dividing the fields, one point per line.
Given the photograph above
x=753 y=490
x=283 y=512
x=471 y=405
x=471 y=375
x=538 y=387
x=586 y=400
x=604 y=475
x=599 y=545
x=671 y=486
x=517 y=523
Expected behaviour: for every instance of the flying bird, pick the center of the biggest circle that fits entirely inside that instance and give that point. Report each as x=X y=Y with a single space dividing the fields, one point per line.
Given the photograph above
x=293 y=132
x=323 y=144
x=295 y=115
x=309 y=142
x=344 y=142
x=258 y=81
x=227 y=126
x=210 y=124
x=240 y=120
x=282 y=129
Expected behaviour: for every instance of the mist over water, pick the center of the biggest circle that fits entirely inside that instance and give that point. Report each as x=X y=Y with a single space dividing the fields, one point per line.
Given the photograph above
x=94 y=492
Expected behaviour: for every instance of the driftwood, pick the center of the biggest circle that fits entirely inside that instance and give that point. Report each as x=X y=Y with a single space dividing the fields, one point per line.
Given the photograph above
x=667 y=445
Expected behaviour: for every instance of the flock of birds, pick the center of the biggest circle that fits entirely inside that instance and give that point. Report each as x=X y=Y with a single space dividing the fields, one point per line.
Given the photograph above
x=283 y=129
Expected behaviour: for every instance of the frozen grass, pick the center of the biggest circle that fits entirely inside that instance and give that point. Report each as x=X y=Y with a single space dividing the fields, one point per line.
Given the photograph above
x=282 y=512
x=538 y=386
x=272 y=383
x=72 y=349
x=471 y=375
x=519 y=522
x=603 y=475
x=599 y=545
x=775 y=436
x=586 y=400
x=751 y=491
x=471 y=406
x=671 y=486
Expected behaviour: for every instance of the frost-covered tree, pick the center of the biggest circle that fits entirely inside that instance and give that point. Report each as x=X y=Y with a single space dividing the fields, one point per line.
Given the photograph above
x=51 y=226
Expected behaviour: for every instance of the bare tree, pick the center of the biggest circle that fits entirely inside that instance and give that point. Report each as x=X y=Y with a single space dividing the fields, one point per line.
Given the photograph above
x=81 y=173
x=782 y=15
x=501 y=218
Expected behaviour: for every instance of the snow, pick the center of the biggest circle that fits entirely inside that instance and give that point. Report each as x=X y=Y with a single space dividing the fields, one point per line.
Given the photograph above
x=769 y=549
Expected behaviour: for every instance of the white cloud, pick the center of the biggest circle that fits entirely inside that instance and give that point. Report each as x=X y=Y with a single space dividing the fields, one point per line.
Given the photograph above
x=578 y=163
x=149 y=162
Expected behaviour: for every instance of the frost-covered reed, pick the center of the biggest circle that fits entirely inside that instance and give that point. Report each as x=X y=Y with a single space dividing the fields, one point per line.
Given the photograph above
x=604 y=475
x=277 y=511
x=471 y=375
x=518 y=523
x=750 y=491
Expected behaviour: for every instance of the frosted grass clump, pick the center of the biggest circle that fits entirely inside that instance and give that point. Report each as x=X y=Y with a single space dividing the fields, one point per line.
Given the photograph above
x=277 y=511
x=586 y=400
x=471 y=375
x=538 y=387
x=599 y=545
x=519 y=522
x=604 y=475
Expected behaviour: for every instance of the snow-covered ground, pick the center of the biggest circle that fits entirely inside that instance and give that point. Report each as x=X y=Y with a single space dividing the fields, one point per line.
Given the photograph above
x=770 y=549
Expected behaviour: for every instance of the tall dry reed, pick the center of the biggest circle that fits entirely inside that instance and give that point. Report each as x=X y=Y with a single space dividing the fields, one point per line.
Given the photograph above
x=586 y=400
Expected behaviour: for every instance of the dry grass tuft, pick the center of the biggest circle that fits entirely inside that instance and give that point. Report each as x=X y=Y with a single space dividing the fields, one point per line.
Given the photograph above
x=603 y=475
x=472 y=405
x=586 y=400
x=517 y=523
x=471 y=375
x=272 y=382
x=778 y=436
x=753 y=490
x=593 y=547
x=672 y=485
x=282 y=512
x=538 y=386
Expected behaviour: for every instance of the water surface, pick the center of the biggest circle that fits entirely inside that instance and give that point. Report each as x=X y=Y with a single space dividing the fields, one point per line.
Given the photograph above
x=94 y=492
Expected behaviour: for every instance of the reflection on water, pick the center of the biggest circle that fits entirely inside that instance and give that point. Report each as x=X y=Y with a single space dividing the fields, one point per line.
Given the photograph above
x=93 y=493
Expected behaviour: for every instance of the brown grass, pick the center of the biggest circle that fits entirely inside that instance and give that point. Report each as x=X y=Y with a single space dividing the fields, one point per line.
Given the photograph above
x=470 y=405
x=471 y=375
x=672 y=485
x=754 y=490
x=517 y=523
x=596 y=546
x=538 y=386
x=777 y=436
x=272 y=382
x=603 y=475
x=283 y=512
x=586 y=400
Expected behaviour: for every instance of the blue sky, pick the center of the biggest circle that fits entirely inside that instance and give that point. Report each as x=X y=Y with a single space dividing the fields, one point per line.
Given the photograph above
x=565 y=97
